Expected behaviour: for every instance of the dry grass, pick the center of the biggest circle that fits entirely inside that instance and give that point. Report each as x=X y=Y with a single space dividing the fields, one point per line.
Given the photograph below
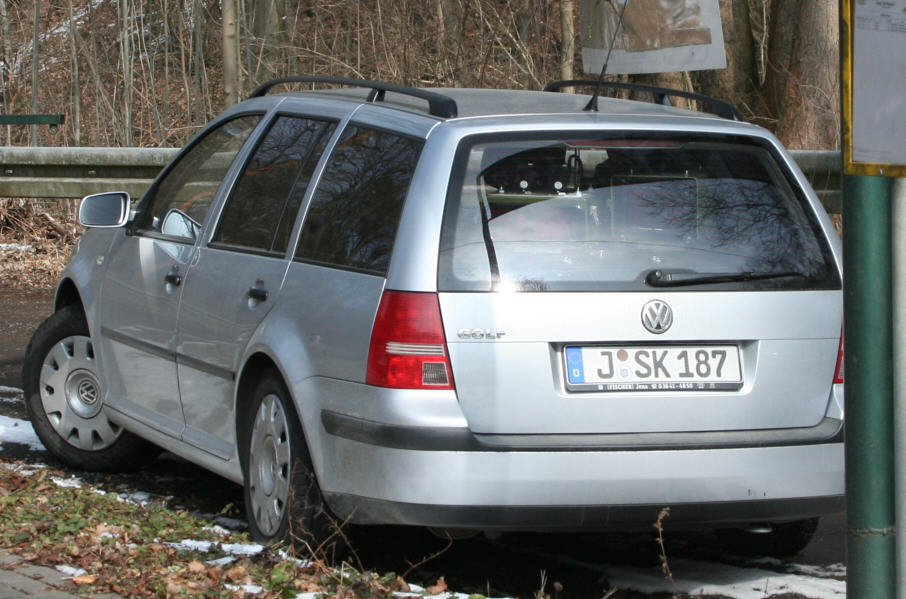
x=36 y=240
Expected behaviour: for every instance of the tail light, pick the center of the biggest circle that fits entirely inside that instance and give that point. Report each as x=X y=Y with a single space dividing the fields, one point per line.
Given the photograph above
x=838 y=371
x=408 y=348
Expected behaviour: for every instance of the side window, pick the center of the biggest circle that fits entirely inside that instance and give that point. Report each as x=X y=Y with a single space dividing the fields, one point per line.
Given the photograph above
x=354 y=213
x=182 y=198
x=262 y=208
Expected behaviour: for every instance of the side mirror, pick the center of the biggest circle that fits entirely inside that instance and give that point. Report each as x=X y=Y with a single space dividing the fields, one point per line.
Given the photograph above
x=105 y=209
x=179 y=224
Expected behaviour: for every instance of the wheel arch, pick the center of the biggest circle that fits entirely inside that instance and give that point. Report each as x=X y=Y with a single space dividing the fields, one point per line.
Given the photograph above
x=255 y=367
x=68 y=294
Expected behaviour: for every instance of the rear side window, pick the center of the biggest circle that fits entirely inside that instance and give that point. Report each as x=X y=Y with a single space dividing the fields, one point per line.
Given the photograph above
x=590 y=212
x=354 y=213
x=262 y=208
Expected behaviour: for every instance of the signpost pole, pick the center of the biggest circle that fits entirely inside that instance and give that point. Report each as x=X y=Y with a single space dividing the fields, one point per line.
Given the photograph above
x=868 y=338
x=898 y=224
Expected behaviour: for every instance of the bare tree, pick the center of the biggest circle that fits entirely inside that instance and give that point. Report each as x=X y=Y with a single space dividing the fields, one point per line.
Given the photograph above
x=75 y=86
x=36 y=39
x=126 y=56
x=782 y=68
x=4 y=68
x=230 y=53
x=568 y=39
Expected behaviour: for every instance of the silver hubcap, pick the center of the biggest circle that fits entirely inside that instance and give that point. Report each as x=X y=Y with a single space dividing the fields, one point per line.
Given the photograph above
x=269 y=465
x=71 y=395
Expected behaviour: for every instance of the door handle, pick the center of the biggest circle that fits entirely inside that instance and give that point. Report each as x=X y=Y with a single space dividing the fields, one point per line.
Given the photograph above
x=173 y=278
x=258 y=294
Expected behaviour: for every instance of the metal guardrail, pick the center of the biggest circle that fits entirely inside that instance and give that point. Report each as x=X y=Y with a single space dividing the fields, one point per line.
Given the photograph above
x=27 y=172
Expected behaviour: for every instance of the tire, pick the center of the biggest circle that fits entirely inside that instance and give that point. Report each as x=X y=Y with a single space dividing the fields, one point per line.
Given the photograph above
x=784 y=540
x=64 y=399
x=283 y=501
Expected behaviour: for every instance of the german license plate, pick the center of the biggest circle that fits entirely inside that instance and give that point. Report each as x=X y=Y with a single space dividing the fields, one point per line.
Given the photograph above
x=652 y=368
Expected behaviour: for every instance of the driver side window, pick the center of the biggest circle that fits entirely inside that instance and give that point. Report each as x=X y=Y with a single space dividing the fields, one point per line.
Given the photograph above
x=181 y=201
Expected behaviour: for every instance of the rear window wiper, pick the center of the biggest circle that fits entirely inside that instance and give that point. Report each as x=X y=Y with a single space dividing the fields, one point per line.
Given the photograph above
x=662 y=278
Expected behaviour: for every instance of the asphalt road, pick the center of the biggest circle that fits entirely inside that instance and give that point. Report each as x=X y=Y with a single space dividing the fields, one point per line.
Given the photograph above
x=507 y=565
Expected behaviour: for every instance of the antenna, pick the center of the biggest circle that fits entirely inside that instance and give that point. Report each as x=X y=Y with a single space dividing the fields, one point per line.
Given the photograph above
x=592 y=105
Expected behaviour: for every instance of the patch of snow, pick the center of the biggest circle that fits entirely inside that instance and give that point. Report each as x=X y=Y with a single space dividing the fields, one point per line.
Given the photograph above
x=219 y=530
x=11 y=394
x=301 y=563
x=23 y=469
x=223 y=561
x=443 y=595
x=142 y=498
x=240 y=549
x=16 y=247
x=13 y=430
x=70 y=571
x=830 y=571
x=69 y=483
x=706 y=578
x=249 y=589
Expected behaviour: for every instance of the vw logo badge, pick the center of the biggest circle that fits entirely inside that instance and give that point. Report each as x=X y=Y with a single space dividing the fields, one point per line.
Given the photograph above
x=657 y=316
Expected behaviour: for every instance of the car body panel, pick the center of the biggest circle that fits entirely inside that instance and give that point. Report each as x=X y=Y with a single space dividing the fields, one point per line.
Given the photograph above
x=137 y=317
x=217 y=318
x=515 y=384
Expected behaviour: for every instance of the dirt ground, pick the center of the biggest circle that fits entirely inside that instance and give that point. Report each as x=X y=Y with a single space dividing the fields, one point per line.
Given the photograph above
x=21 y=311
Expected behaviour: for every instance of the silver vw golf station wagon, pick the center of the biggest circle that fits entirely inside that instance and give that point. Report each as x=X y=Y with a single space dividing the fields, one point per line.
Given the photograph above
x=463 y=309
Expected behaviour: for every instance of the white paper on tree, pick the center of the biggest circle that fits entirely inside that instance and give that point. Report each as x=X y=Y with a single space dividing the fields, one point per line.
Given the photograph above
x=656 y=36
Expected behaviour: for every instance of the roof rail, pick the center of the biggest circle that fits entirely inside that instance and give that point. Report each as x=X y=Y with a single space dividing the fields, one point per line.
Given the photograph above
x=718 y=107
x=439 y=105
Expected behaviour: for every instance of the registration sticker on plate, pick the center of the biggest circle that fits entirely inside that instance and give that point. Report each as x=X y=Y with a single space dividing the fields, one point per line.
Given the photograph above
x=652 y=368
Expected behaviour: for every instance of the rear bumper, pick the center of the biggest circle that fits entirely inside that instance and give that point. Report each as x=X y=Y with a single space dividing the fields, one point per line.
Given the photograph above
x=391 y=457
x=367 y=510
x=571 y=487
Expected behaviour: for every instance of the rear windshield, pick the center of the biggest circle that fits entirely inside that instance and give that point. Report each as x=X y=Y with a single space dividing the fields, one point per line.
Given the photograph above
x=592 y=212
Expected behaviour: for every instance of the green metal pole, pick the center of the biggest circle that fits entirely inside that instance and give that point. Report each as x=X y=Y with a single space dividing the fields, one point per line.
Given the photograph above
x=871 y=547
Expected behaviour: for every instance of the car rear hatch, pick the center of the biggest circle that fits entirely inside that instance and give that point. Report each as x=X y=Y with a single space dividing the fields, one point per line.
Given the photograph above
x=616 y=283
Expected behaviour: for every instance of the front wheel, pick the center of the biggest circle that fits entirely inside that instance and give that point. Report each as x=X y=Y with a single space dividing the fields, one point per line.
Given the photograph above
x=64 y=399
x=283 y=501
x=783 y=540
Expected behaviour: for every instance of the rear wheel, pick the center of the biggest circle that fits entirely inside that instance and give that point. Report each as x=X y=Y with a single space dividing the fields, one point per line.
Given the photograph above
x=782 y=540
x=283 y=501
x=64 y=399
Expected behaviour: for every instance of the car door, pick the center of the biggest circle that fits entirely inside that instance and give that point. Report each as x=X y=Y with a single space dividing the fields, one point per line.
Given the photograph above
x=144 y=279
x=236 y=278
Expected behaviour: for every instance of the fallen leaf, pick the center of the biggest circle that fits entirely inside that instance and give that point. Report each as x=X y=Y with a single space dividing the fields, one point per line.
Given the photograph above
x=238 y=574
x=87 y=579
x=196 y=567
x=439 y=587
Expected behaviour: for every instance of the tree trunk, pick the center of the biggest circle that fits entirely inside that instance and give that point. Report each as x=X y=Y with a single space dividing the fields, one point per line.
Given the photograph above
x=33 y=129
x=266 y=27
x=567 y=39
x=4 y=69
x=76 y=82
x=230 y=54
x=126 y=57
x=782 y=68
x=802 y=84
